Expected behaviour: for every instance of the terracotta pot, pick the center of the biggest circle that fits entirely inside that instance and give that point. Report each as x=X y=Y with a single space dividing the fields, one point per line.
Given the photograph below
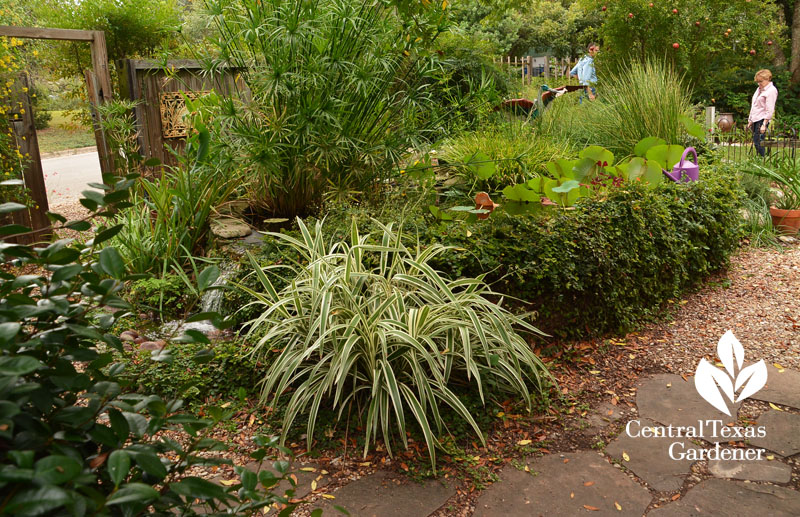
x=725 y=122
x=786 y=222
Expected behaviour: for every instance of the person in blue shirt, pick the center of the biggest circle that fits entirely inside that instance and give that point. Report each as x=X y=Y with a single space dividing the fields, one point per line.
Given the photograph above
x=584 y=71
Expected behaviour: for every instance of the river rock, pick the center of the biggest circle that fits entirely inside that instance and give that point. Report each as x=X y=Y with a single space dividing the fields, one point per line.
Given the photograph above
x=127 y=336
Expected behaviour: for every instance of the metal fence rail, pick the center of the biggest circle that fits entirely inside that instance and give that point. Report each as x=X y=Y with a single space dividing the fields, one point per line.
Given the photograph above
x=737 y=144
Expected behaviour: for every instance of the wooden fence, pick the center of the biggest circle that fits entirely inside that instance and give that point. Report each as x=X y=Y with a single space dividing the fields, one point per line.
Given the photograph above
x=528 y=67
x=160 y=108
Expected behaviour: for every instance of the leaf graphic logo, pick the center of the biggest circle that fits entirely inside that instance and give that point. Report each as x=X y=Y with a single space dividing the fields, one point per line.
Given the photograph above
x=712 y=383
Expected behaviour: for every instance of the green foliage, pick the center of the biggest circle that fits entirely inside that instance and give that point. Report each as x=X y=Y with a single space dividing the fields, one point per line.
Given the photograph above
x=699 y=27
x=519 y=153
x=784 y=171
x=605 y=266
x=74 y=441
x=133 y=28
x=165 y=295
x=337 y=91
x=168 y=222
x=231 y=368
x=372 y=328
x=643 y=100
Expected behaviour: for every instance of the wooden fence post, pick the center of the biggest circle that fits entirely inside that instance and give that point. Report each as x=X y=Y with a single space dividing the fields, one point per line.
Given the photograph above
x=25 y=132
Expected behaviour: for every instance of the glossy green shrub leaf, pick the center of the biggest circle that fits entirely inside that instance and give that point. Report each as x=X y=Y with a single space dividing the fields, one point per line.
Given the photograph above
x=8 y=331
x=207 y=277
x=119 y=464
x=112 y=263
x=36 y=501
x=6 y=208
x=133 y=493
x=57 y=470
x=18 y=365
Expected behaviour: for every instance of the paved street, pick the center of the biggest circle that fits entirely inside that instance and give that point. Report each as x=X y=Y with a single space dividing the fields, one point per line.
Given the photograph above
x=67 y=176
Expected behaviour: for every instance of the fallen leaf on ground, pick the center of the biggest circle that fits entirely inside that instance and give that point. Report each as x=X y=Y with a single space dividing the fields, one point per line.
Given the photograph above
x=588 y=483
x=524 y=442
x=328 y=496
x=229 y=482
x=572 y=495
x=676 y=497
x=617 y=506
x=625 y=456
x=591 y=508
x=308 y=469
x=773 y=406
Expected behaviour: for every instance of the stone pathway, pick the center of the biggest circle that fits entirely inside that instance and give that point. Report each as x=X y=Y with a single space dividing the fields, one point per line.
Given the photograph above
x=635 y=474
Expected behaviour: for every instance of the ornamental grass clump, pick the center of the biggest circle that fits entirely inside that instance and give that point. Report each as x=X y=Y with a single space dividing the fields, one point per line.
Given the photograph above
x=372 y=330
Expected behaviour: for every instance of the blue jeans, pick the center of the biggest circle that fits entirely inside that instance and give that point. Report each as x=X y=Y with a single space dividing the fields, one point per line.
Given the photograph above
x=585 y=93
x=756 y=127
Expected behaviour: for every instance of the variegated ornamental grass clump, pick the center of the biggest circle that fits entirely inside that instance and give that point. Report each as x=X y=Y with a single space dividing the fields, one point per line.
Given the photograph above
x=374 y=330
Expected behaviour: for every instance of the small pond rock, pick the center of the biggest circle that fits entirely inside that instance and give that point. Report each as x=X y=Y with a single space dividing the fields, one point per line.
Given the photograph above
x=230 y=228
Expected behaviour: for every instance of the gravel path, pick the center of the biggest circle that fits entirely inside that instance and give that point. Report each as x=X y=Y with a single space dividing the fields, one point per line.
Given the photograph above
x=758 y=299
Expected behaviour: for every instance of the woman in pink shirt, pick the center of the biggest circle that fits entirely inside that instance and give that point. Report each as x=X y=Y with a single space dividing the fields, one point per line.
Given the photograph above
x=762 y=108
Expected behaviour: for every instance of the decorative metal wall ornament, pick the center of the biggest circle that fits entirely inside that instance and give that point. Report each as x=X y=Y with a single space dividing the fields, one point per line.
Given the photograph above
x=173 y=110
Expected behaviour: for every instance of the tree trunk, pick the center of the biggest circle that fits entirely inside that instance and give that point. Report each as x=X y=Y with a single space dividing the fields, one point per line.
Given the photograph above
x=794 y=67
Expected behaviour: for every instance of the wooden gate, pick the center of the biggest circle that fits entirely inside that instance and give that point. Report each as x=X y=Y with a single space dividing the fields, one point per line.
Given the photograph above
x=33 y=179
x=99 y=85
x=160 y=109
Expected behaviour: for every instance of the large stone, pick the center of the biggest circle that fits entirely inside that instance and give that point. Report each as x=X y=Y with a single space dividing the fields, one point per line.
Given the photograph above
x=649 y=458
x=668 y=399
x=601 y=416
x=763 y=470
x=782 y=433
x=553 y=487
x=384 y=494
x=783 y=387
x=723 y=497
x=229 y=227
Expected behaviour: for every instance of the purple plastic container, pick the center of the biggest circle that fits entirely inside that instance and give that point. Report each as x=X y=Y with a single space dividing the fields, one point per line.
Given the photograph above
x=685 y=171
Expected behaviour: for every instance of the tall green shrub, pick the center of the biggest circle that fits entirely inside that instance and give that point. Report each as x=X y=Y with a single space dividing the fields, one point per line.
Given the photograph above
x=336 y=91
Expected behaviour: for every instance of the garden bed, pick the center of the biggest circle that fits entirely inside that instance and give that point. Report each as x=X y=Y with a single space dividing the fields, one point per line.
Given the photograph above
x=604 y=267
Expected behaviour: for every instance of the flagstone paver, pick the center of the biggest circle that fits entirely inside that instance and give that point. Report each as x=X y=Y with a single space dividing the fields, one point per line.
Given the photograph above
x=782 y=433
x=383 y=494
x=649 y=458
x=552 y=487
x=668 y=399
x=764 y=470
x=601 y=416
x=723 y=497
x=783 y=387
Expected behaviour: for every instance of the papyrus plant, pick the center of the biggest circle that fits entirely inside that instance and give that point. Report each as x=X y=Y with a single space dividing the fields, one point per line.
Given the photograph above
x=374 y=330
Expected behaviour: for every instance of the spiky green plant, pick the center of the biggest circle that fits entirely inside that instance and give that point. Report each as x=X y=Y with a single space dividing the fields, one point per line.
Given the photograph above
x=643 y=100
x=335 y=94
x=374 y=329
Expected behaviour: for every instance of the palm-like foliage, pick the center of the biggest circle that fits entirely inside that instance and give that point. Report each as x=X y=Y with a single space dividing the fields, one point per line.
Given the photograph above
x=375 y=329
x=333 y=95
